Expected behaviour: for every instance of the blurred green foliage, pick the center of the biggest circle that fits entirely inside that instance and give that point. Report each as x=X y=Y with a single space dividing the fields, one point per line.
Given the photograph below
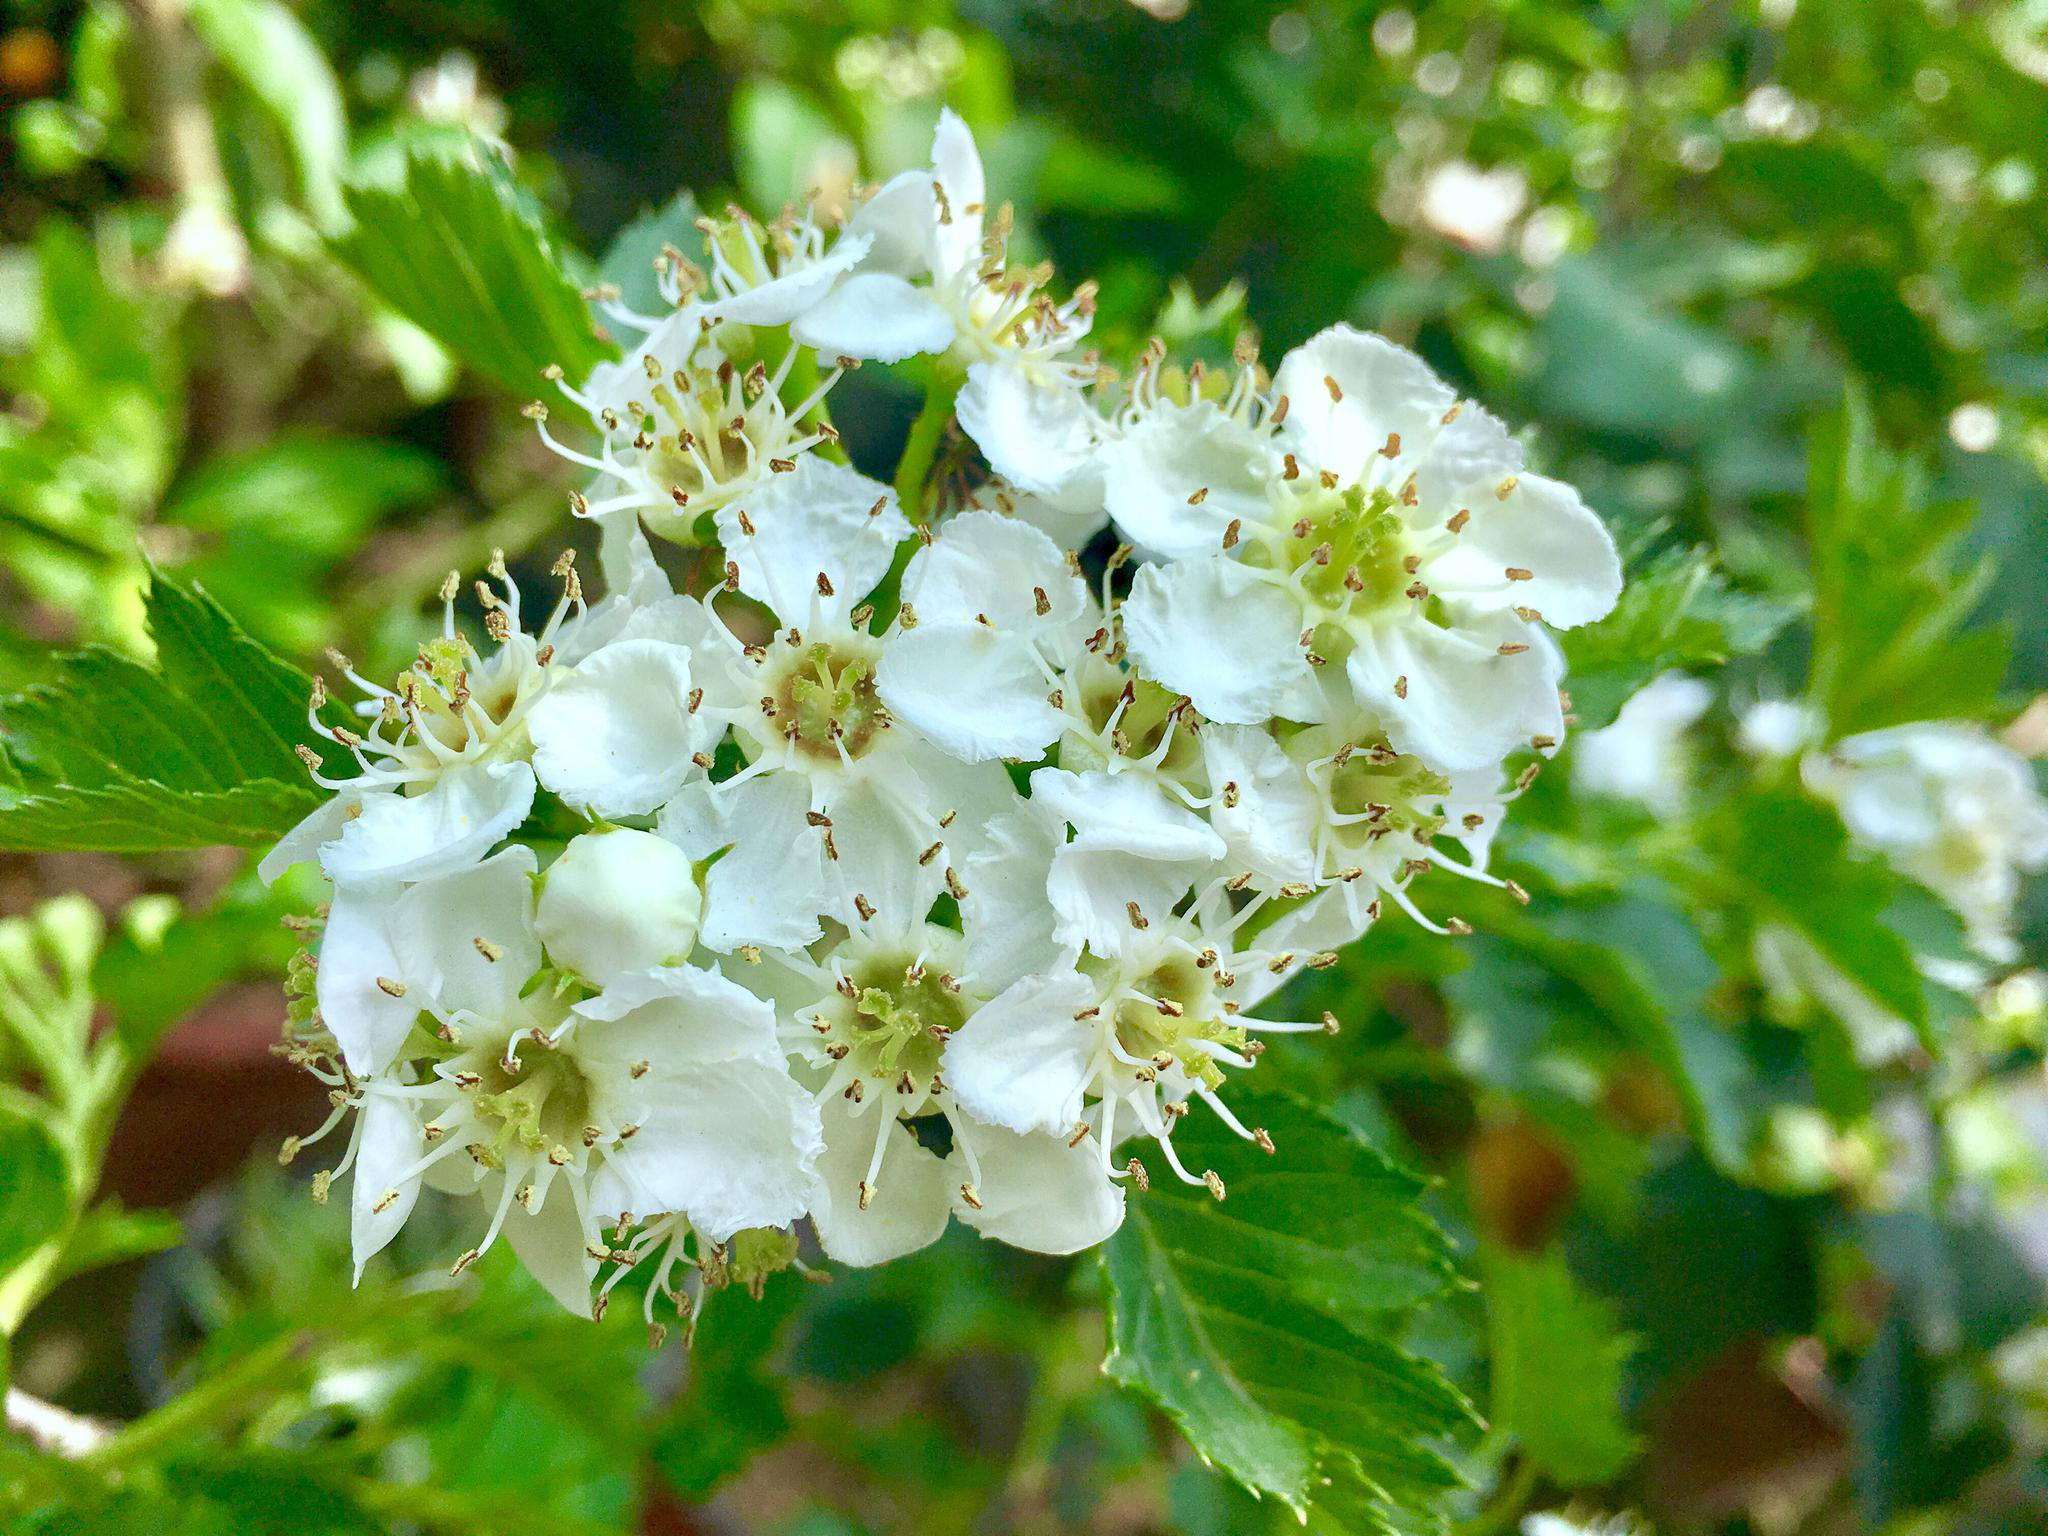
x=1738 y=1266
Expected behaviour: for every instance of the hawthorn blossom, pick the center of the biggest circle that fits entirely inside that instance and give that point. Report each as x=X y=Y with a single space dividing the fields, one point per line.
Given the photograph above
x=1641 y=756
x=1947 y=806
x=1357 y=540
x=478 y=1065
x=592 y=709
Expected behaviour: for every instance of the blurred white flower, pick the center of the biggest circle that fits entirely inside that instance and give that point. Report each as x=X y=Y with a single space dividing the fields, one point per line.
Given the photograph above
x=1642 y=756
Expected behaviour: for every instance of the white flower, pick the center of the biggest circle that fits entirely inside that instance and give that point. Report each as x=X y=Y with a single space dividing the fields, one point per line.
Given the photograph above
x=685 y=428
x=1642 y=756
x=874 y=1020
x=666 y=1092
x=887 y=811
x=618 y=901
x=451 y=755
x=1776 y=728
x=1367 y=527
x=936 y=277
x=1948 y=807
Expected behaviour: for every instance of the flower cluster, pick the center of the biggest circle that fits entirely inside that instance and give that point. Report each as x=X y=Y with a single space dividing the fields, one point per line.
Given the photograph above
x=898 y=872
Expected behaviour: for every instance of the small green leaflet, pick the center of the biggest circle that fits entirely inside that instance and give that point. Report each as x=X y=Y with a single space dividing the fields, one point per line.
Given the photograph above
x=1889 y=602
x=1557 y=1363
x=1266 y=1325
x=193 y=752
x=460 y=250
x=1676 y=610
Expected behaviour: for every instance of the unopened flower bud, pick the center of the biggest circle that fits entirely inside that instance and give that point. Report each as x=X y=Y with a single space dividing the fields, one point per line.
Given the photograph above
x=617 y=902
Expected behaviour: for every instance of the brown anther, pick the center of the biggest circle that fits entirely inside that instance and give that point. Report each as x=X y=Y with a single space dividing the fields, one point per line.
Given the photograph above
x=1401 y=686
x=1214 y=1182
x=863 y=906
x=1138 y=1175
x=1519 y=573
x=389 y=987
x=1262 y=1140
x=1391 y=449
x=1512 y=648
x=1041 y=604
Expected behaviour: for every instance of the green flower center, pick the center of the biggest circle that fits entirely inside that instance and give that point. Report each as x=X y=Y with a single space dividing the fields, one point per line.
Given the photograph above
x=825 y=699
x=896 y=1023
x=1182 y=1003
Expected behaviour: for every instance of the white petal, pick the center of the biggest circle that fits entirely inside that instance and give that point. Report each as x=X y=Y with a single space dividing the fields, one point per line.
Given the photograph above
x=897 y=221
x=303 y=843
x=1271 y=827
x=1212 y=630
x=1070 y=516
x=986 y=565
x=435 y=928
x=1022 y=1059
x=1385 y=390
x=956 y=167
x=770 y=886
x=911 y=1193
x=1033 y=424
x=783 y=298
x=1469 y=457
x=1006 y=918
x=615 y=736
x=389 y=1142
x=679 y=1017
x=976 y=692
x=879 y=840
x=554 y=1245
x=876 y=317
x=1125 y=811
x=1544 y=528
x=1094 y=884
x=1450 y=697
x=820 y=519
x=355 y=952
x=1038 y=1193
x=733 y=1145
x=1172 y=455
x=415 y=837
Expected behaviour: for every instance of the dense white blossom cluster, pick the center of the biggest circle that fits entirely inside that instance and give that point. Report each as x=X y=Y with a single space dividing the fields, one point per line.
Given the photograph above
x=912 y=873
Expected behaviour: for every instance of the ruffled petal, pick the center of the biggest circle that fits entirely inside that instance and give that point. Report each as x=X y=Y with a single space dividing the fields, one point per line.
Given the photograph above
x=897 y=222
x=1034 y=425
x=1038 y=1193
x=876 y=317
x=973 y=691
x=1450 y=697
x=732 y=1145
x=1180 y=475
x=1008 y=924
x=911 y=1199
x=1380 y=390
x=770 y=885
x=986 y=565
x=615 y=736
x=1542 y=527
x=356 y=951
x=1265 y=808
x=783 y=298
x=819 y=520
x=388 y=1142
x=1212 y=630
x=1023 y=1059
x=416 y=837
x=680 y=1017
x=439 y=930
x=957 y=223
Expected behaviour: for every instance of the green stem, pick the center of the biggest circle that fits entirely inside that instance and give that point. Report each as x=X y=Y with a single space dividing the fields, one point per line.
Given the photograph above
x=218 y=1398
x=922 y=447
x=1506 y=1506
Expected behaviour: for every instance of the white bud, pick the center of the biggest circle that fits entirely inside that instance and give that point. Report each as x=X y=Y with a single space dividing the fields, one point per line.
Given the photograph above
x=617 y=902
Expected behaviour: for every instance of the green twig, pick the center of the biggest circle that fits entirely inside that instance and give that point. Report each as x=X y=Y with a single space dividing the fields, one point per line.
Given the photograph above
x=225 y=1395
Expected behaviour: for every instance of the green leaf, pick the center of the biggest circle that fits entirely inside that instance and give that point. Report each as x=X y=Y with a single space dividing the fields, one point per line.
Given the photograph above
x=35 y=1197
x=1266 y=1325
x=628 y=262
x=733 y=1405
x=1677 y=611
x=1890 y=602
x=267 y=48
x=1557 y=1362
x=272 y=523
x=1790 y=858
x=194 y=752
x=461 y=251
